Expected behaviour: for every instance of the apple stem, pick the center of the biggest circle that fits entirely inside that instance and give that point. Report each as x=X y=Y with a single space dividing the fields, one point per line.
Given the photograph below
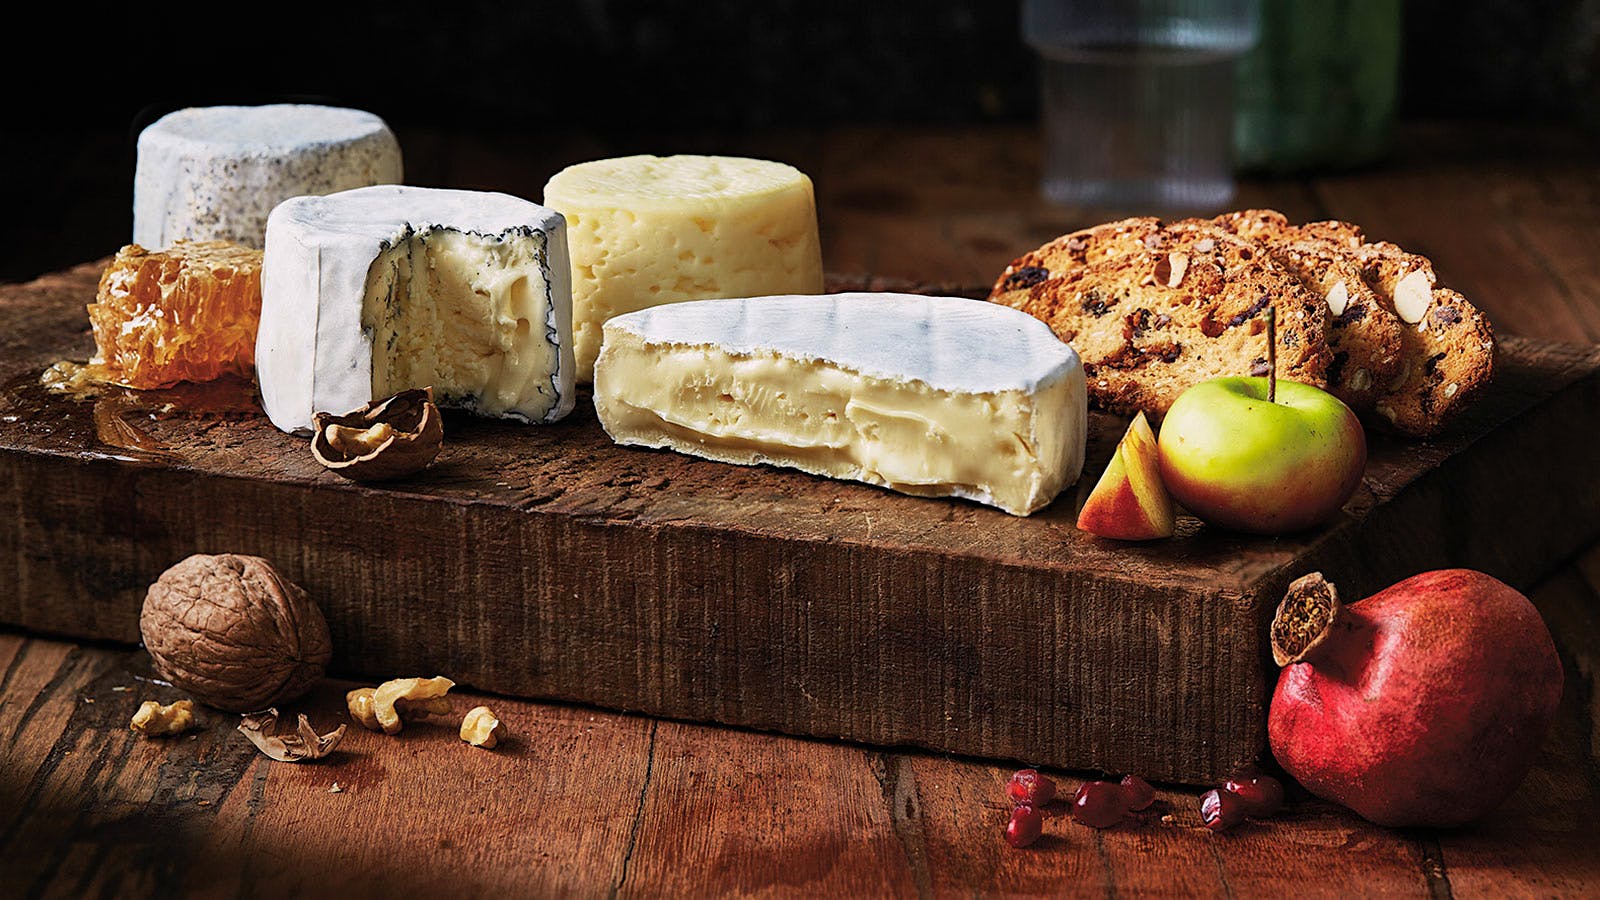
x=1272 y=354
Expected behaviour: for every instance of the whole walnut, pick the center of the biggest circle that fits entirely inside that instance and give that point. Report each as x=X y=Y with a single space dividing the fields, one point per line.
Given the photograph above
x=233 y=633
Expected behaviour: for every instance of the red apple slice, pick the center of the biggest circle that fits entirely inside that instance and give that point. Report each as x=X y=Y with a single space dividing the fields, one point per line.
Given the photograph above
x=1129 y=502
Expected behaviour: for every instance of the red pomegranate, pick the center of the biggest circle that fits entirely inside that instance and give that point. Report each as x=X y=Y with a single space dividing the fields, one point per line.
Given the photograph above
x=1424 y=704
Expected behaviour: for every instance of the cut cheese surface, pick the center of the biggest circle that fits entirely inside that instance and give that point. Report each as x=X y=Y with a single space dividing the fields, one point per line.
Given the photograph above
x=651 y=230
x=216 y=172
x=932 y=396
x=369 y=292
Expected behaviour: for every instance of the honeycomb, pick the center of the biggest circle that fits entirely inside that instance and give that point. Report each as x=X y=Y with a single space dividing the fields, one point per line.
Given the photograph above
x=187 y=313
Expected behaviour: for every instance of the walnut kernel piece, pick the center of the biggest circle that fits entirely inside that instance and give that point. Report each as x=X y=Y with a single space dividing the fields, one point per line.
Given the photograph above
x=481 y=728
x=357 y=441
x=359 y=702
x=385 y=439
x=297 y=746
x=232 y=633
x=155 y=720
x=412 y=696
x=432 y=706
x=363 y=711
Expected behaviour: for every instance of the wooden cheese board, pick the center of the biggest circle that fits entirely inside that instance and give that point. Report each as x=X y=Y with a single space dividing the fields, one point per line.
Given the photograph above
x=546 y=562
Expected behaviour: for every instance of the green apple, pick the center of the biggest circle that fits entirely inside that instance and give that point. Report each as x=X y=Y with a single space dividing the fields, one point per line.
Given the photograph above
x=1241 y=461
x=1128 y=502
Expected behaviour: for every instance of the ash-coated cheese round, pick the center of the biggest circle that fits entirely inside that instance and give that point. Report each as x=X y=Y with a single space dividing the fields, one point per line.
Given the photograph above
x=216 y=172
x=651 y=230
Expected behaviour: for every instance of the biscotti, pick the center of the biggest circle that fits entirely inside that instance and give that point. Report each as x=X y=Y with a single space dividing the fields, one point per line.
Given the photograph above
x=1153 y=309
x=1363 y=334
x=1446 y=345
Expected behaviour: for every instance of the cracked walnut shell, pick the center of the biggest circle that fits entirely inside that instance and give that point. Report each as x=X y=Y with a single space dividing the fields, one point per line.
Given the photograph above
x=296 y=746
x=385 y=439
x=233 y=633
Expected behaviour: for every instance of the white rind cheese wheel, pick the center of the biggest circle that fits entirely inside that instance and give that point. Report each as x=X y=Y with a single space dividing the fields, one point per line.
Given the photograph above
x=650 y=230
x=370 y=292
x=216 y=172
x=932 y=396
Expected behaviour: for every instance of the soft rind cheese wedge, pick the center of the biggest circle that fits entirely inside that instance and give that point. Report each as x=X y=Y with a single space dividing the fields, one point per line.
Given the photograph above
x=216 y=172
x=651 y=230
x=370 y=292
x=932 y=396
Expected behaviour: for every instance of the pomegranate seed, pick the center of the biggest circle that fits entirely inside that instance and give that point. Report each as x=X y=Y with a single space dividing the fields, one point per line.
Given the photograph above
x=1099 y=804
x=1261 y=795
x=1030 y=788
x=1221 y=810
x=1025 y=826
x=1137 y=793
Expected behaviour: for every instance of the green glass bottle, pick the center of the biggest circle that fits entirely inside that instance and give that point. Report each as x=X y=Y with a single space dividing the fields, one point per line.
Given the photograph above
x=1319 y=89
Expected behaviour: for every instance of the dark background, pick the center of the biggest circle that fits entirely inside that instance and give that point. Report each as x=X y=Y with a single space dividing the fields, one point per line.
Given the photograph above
x=618 y=76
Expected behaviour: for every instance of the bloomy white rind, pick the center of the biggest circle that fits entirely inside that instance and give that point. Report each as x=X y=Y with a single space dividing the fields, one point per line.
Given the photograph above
x=215 y=173
x=312 y=354
x=559 y=322
x=948 y=343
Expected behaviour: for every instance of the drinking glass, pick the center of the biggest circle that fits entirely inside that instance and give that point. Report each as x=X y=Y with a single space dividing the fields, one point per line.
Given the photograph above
x=1138 y=99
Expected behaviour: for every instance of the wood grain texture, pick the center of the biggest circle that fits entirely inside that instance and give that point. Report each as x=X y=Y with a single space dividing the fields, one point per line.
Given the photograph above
x=585 y=803
x=547 y=562
x=592 y=801
x=112 y=814
x=756 y=816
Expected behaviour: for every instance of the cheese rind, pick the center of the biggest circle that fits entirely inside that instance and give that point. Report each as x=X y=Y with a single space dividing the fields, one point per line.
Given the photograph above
x=928 y=396
x=649 y=230
x=369 y=292
x=216 y=172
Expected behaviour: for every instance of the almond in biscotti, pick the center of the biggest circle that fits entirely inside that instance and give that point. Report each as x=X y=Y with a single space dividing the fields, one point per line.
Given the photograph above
x=1363 y=334
x=1154 y=309
x=1448 y=345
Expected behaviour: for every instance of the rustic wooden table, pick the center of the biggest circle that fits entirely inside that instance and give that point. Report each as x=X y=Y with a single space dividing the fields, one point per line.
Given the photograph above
x=592 y=802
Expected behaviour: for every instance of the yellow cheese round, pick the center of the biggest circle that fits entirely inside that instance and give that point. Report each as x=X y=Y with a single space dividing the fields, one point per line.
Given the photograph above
x=649 y=230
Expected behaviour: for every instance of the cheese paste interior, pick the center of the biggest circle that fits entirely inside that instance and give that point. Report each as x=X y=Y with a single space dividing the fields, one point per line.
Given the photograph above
x=467 y=314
